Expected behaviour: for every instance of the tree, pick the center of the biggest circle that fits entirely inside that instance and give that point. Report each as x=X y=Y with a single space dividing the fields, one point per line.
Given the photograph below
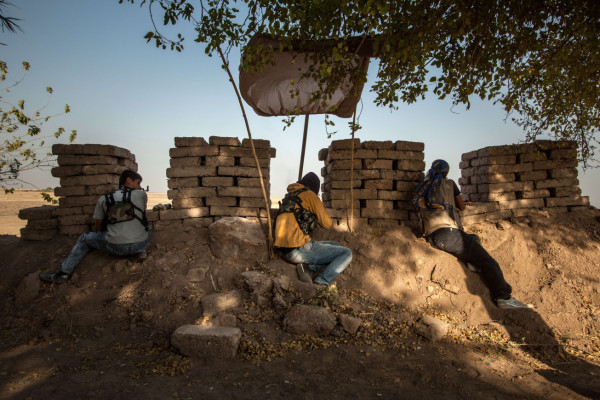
x=21 y=134
x=539 y=60
x=7 y=23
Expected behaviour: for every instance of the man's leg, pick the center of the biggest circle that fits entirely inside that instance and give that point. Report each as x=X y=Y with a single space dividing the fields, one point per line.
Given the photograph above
x=319 y=254
x=464 y=247
x=85 y=243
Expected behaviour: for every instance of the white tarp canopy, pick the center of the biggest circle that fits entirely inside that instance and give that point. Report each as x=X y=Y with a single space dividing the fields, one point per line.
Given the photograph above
x=268 y=92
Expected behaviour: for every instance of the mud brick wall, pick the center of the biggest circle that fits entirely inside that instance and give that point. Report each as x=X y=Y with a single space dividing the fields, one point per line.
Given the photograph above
x=41 y=223
x=215 y=179
x=515 y=180
x=86 y=171
x=385 y=176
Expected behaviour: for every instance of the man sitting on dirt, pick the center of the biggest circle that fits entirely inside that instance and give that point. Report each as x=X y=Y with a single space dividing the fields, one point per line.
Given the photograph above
x=437 y=199
x=127 y=232
x=299 y=213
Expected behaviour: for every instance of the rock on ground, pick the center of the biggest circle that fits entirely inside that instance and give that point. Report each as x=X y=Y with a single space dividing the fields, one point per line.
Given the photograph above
x=432 y=328
x=207 y=341
x=349 y=323
x=309 y=320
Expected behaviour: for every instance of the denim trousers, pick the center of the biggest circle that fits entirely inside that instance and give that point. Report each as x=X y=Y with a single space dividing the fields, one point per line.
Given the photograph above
x=328 y=258
x=467 y=249
x=97 y=240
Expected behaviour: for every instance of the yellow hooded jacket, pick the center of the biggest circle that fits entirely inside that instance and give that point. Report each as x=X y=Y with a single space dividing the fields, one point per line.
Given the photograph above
x=287 y=231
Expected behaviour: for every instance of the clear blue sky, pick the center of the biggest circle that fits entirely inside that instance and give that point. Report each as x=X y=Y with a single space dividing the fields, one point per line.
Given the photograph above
x=125 y=92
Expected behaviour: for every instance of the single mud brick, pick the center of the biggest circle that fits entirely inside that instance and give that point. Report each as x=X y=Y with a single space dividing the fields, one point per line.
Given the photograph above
x=152 y=216
x=69 y=191
x=339 y=165
x=468 y=172
x=384 y=184
x=75 y=220
x=188 y=172
x=194 y=192
x=239 y=191
x=523 y=203
x=246 y=172
x=221 y=201
x=494 y=160
x=73 y=230
x=59 y=211
x=197 y=212
x=252 y=202
x=531 y=157
x=43 y=224
x=347 y=154
x=409 y=146
x=554 y=164
x=404 y=204
x=464 y=164
x=402 y=175
x=128 y=164
x=503 y=168
x=237 y=211
x=251 y=162
x=207 y=342
x=555 y=144
x=251 y=182
x=464 y=181
x=343 y=185
x=219 y=161
x=91 y=149
x=494 y=196
x=217 y=181
x=565 y=191
x=562 y=173
x=506 y=150
x=552 y=183
x=344 y=144
x=178 y=152
x=400 y=155
x=377 y=164
x=468 y=189
x=100 y=189
x=38 y=234
x=190 y=142
x=555 y=210
x=378 y=145
x=41 y=212
x=60 y=149
x=77 y=201
x=89 y=210
x=198 y=222
x=393 y=195
x=343 y=204
x=90 y=180
x=170 y=224
x=193 y=202
x=534 y=194
x=223 y=141
x=243 y=152
x=339 y=194
x=562 y=154
x=383 y=204
x=383 y=213
x=567 y=201
x=468 y=156
x=493 y=178
x=64 y=160
x=185 y=162
x=404 y=186
x=71 y=170
x=409 y=165
x=258 y=143
x=505 y=187
x=323 y=154
x=480 y=208
x=358 y=174
x=103 y=169
x=532 y=175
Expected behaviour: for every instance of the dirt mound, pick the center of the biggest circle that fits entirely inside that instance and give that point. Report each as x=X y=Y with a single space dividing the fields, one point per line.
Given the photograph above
x=106 y=333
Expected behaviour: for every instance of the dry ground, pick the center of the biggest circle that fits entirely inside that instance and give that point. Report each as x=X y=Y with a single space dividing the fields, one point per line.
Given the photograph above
x=105 y=335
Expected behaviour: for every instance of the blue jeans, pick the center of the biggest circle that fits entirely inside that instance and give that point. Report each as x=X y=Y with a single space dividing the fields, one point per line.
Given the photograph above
x=96 y=240
x=328 y=258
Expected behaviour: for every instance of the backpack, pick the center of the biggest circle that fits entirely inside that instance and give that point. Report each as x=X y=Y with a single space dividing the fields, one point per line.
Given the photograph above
x=307 y=221
x=122 y=210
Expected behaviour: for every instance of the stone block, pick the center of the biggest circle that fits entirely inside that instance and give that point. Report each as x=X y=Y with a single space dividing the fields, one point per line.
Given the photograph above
x=70 y=170
x=152 y=216
x=90 y=180
x=247 y=172
x=219 y=161
x=562 y=154
x=168 y=224
x=503 y=168
x=344 y=144
x=237 y=211
x=382 y=204
x=60 y=211
x=404 y=186
x=342 y=185
x=188 y=172
x=68 y=160
x=358 y=174
x=393 y=195
x=523 y=203
x=378 y=145
x=464 y=164
x=244 y=152
x=506 y=150
x=251 y=202
x=100 y=189
x=377 y=164
x=534 y=194
x=402 y=175
x=198 y=212
x=468 y=189
x=41 y=212
x=504 y=187
x=555 y=144
x=221 y=201
x=70 y=191
x=339 y=165
x=469 y=156
x=309 y=320
x=531 y=157
x=186 y=162
x=343 y=204
x=197 y=222
x=42 y=224
x=223 y=141
x=193 y=151
x=183 y=183
x=552 y=183
x=409 y=146
x=339 y=194
x=217 y=181
x=493 y=178
x=494 y=196
x=347 y=154
x=251 y=162
x=323 y=154
x=554 y=164
x=193 y=202
x=258 y=143
x=92 y=149
x=409 y=165
x=76 y=201
x=189 y=142
x=565 y=191
x=252 y=182
x=75 y=220
x=464 y=181
x=239 y=191
x=103 y=169
x=378 y=184
x=567 y=201
x=560 y=173
x=400 y=155
x=207 y=342
x=494 y=160
x=532 y=175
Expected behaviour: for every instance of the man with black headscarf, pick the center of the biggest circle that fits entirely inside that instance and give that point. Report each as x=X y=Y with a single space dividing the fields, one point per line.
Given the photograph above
x=437 y=199
x=298 y=215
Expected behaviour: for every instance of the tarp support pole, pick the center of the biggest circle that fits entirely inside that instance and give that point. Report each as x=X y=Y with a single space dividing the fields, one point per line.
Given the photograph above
x=303 y=146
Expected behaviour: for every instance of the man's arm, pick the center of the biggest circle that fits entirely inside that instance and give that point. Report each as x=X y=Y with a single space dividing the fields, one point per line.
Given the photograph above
x=97 y=225
x=460 y=204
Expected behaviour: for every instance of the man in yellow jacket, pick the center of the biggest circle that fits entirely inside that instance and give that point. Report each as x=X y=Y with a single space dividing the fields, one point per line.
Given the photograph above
x=327 y=259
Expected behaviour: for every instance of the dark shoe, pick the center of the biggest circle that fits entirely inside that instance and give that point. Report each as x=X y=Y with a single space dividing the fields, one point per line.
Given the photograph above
x=511 y=302
x=55 y=277
x=139 y=257
x=303 y=273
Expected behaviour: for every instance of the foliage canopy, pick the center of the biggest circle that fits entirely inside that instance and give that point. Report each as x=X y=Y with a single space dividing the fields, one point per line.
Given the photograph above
x=540 y=60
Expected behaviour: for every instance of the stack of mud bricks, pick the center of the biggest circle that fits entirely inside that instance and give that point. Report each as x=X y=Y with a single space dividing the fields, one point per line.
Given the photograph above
x=86 y=172
x=385 y=176
x=516 y=180
x=208 y=181
x=41 y=223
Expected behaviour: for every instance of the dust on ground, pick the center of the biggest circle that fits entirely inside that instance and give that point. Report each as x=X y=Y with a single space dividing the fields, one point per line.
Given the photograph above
x=106 y=334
